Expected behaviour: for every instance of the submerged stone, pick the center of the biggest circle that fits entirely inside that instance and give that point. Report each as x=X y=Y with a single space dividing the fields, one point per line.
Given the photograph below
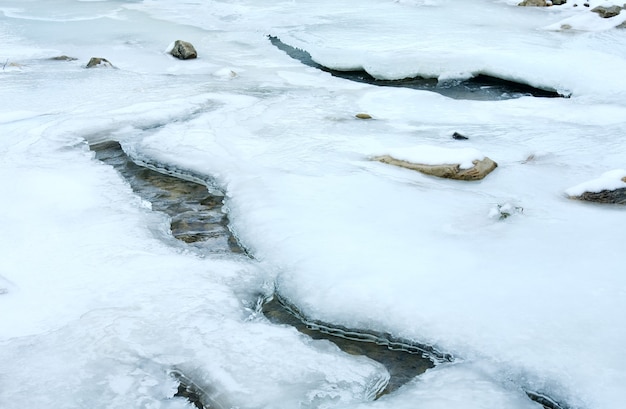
x=183 y=50
x=480 y=169
x=196 y=215
x=403 y=361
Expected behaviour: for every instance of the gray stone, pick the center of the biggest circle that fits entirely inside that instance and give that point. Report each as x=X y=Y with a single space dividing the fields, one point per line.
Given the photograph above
x=607 y=12
x=558 y=2
x=183 y=50
x=533 y=3
x=622 y=25
x=617 y=196
x=96 y=62
x=63 y=58
x=480 y=169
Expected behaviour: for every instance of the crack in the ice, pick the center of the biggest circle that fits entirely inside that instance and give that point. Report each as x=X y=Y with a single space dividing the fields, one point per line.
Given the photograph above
x=403 y=359
x=195 y=211
x=479 y=87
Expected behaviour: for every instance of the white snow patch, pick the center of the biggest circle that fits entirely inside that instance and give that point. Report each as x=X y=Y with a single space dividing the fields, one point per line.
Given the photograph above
x=607 y=181
x=436 y=155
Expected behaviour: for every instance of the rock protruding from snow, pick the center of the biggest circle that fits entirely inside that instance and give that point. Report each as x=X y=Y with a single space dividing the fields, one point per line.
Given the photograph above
x=541 y=3
x=534 y=3
x=607 y=12
x=97 y=62
x=63 y=58
x=183 y=50
x=459 y=164
x=608 y=188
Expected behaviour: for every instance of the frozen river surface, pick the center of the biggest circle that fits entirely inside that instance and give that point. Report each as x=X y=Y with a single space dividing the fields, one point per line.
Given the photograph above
x=101 y=307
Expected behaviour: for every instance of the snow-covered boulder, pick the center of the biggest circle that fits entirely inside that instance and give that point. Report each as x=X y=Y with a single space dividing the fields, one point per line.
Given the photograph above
x=608 y=188
x=459 y=164
x=97 y=62
x=183 y=50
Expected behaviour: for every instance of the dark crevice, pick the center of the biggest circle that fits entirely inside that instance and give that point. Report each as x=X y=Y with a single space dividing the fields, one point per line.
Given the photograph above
x=403 y=359
x=196 y=215
x=191 y=391
x=545 y=401
x=480 y=87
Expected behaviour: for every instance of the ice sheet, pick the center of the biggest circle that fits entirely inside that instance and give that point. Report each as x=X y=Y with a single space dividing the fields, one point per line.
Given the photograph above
x=100 y=302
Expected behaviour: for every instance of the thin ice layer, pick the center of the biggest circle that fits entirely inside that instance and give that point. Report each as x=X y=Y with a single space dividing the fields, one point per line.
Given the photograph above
x=103 y=306
x=536 y=297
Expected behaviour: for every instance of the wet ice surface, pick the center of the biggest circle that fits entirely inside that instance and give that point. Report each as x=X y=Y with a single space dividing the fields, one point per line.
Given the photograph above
x=403 y=365
x=196 y=216
x=97 y=293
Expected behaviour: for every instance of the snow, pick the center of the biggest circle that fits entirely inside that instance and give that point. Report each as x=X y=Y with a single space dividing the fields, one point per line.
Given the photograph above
x=435 y=155
x=614 y=179
x=99 y=304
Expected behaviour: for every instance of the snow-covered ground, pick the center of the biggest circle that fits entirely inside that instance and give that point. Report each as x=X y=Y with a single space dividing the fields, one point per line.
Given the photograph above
x=98 y=304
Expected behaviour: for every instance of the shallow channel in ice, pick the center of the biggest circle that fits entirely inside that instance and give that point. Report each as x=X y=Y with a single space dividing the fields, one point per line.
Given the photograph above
x=102 y=304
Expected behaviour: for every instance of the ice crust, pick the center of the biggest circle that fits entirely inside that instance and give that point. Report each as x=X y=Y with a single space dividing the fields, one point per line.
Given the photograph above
x=101 y=304
x=607 y=181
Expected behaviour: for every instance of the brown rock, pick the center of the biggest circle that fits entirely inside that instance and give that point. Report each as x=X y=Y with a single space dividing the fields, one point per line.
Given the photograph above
x=183 y=50
x=480 y=169
x=607 y=12
x=363 y=116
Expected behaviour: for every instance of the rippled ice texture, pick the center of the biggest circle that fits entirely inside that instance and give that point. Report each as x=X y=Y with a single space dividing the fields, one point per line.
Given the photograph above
x=98 y=303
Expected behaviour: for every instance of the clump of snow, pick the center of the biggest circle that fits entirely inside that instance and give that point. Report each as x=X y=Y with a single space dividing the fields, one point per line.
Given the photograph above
x=611 y=180
x=436 y=155
x=505 y=210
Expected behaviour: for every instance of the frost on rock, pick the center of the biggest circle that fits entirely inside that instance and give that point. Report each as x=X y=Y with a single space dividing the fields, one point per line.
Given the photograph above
x=608 y=188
